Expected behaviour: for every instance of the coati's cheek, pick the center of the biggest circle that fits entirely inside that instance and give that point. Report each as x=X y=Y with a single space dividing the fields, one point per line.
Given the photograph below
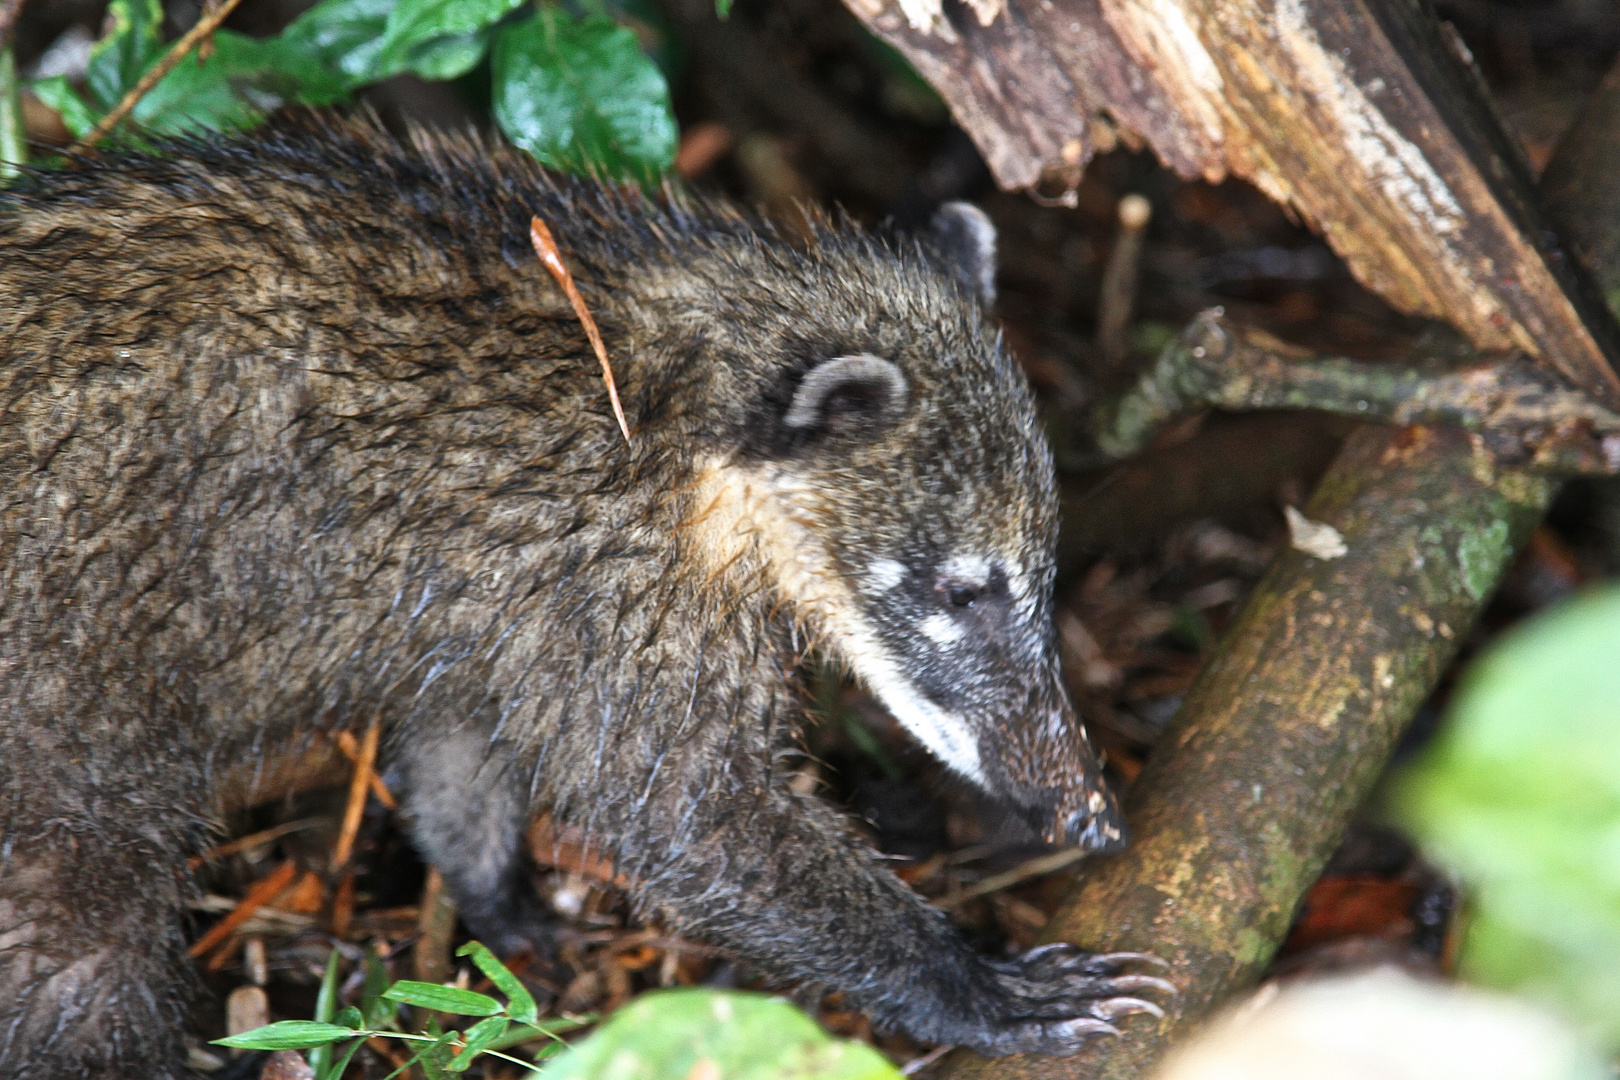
x=946 y=735
x=882 y=576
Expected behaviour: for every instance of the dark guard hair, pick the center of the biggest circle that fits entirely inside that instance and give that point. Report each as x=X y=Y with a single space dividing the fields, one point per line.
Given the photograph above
x=297 y=433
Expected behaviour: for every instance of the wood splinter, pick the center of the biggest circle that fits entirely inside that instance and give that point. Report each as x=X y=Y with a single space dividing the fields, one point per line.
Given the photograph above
x=546 y=248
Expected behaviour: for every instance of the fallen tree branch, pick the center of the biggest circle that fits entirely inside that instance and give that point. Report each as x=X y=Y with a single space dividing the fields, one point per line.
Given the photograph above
x=1530 y=415
x=1366 y=117
x=1294 y=719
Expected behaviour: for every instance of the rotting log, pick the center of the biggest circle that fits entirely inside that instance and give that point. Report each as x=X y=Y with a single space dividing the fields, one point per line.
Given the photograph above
x=1366 y=117
x=1283 y=734
x=1286 y=730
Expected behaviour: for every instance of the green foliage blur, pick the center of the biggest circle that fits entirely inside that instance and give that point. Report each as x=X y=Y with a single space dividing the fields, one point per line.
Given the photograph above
x=570 y=85
x=1520 y=798
x=667 y=1035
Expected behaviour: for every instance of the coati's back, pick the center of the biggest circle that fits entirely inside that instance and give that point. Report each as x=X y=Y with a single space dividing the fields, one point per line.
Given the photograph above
x=298 y=433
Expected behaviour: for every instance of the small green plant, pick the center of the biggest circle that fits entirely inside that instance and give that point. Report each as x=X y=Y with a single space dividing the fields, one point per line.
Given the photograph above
x=334 y=1035
x=576 y=91
x=665 y=1035
x=1520 y=797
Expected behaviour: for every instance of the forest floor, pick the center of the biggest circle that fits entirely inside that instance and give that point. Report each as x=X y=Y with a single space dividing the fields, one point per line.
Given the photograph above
x=791 y=100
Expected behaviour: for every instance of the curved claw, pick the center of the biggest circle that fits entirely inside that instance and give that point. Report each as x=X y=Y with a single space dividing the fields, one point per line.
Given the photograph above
x=1050 y=948
x=1145 y=982
x=1084 y=1027
x=1114 y=1008
x=1121 y=958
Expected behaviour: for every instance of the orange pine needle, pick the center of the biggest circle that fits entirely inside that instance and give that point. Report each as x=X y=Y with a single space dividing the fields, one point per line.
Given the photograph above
x=262 y=893
x=546 y=248
x=359 y=784
x=349 y=746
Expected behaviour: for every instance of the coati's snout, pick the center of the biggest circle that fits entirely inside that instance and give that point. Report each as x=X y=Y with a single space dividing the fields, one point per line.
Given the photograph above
x=904 y=500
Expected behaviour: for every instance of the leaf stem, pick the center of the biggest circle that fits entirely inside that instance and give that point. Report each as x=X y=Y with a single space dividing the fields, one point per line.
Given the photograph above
x=206 y=25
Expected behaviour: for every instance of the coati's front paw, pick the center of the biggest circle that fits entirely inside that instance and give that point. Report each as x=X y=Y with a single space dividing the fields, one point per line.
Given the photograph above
x=516 y=921
x=1052 y=999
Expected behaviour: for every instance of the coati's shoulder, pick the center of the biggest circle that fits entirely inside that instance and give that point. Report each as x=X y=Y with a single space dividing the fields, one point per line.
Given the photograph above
x=338 y=196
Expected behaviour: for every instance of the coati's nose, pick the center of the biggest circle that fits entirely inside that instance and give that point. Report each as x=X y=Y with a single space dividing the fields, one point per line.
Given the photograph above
x=1095 y=824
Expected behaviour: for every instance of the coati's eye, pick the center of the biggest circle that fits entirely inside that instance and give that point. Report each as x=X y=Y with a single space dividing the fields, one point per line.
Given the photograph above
x=961 y=595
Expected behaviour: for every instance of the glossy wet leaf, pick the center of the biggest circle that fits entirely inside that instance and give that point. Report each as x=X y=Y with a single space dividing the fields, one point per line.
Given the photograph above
x=121 y=56
x=442 y=998
x=580 y=95
x=520 y=1003
x=288 y=1035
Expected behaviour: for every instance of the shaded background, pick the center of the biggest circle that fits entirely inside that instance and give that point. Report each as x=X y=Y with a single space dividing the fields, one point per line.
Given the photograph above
x=792 y=101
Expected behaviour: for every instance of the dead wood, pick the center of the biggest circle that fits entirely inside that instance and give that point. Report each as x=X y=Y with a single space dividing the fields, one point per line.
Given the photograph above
x=1365 y=117
x=1287 y=728
x=1528 y=414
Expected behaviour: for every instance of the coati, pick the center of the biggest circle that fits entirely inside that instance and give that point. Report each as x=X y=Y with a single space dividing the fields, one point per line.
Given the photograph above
x=298 y=434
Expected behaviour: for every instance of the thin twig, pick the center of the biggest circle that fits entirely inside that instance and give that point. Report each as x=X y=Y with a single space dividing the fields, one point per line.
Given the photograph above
x=1034 y=868
x=1119 y=281
x=262 y=893
x=546 y=248
x=252 y=840
x=177 y=52
x=350 y=748
x=359 y=784
x=1526 y=413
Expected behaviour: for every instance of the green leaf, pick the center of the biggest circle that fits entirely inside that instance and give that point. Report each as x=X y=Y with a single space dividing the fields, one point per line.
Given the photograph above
x=122 y=56
x=551 y=1030
x=520 y=1003
x=442 y=998
x=341 y=1065
x=242 y=80
x=722 y=8
x=436 y=39
x=378 y=1011
x=288 y=1035
x=333 y=30
x=744 y=1037
x=581 y=96
x=432 y=1055
x=57 y=93
x=476 y=1039
x=326 y=997
x=1519 y=796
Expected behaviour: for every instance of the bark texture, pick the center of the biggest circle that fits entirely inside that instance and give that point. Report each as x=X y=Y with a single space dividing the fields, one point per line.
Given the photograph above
x=1284 y=733
x=1366 y=117
x=1287 y=729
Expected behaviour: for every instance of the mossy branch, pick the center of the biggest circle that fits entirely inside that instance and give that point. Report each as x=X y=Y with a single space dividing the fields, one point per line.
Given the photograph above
x=1530 y=415
x=1296 y=715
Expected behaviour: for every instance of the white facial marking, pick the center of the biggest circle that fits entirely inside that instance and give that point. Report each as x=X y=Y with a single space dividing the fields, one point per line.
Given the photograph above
x=969 y=569
x=742 y=513
x=945 y=734
x=941 y=629
x=883 y=575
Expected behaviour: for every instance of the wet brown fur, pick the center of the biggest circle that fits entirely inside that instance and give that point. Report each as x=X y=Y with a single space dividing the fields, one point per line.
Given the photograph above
x=297 y=432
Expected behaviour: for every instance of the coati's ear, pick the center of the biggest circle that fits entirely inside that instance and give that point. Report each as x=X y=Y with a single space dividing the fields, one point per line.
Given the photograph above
x=855 y=396
x=966 y=240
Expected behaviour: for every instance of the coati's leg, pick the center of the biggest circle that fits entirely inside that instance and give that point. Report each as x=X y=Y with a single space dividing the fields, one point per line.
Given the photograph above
x=721 y=849
x=469 y=813
x=92 y=878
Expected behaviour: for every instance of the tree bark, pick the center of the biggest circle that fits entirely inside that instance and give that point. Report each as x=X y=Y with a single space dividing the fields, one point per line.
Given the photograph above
x=1285 y=732
x=1365 y=117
